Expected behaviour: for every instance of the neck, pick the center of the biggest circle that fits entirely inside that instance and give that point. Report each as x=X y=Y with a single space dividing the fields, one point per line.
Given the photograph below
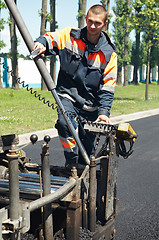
x=92 y=39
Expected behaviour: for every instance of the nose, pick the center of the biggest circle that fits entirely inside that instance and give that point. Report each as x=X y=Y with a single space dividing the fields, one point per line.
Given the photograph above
x=93 y=25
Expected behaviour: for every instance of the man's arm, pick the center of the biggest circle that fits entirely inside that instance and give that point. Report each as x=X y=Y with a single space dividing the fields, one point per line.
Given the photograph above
x=106 y=90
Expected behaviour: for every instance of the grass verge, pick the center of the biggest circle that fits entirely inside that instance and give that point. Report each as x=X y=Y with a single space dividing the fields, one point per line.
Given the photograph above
x=21 y=112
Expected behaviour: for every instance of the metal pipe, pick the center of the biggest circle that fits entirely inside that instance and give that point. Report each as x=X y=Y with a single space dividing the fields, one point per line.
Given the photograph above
x=92 y=196
x=13 y=190
x=48 y=219
x=53 y=196
x=44 y=73
x=32 y=177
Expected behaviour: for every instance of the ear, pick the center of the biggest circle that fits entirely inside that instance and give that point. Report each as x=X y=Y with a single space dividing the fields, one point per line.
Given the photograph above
x=106 y=22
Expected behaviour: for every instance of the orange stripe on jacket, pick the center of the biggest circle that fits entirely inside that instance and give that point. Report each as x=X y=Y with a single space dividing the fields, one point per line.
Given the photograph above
x=112 y=65
x=110 y=82
x=99 y=57
x=69 y=144
x=79 y=44
x=63 y=37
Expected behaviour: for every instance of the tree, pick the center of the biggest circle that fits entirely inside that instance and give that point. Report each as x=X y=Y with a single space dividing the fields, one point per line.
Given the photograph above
x=81 y=12
x=126 y=16
x=43 y=14
x=2 y=44
x=52 y=29
x=14 y=52
x=136 y=54
x=2 y=22
x=118 y=35
x=106 y=5
x=121 y=38
x=148 y=22
x=154 y=58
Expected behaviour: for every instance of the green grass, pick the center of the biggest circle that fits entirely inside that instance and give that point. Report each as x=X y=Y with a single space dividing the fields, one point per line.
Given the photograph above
x=132 y=99
x=21 y=112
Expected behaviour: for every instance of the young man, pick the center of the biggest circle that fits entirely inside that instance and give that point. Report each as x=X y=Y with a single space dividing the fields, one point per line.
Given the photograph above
x=87 y=77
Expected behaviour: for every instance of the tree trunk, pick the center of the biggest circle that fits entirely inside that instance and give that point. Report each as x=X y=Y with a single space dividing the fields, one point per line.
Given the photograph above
x=43 y=31
x=119 y=75
x=136 y=64
x=52 y=29
x=0 y=75
x=148 y=71
x=81 y=13
x=14 y=53
x=158 y=71
x=106 y=5
x=126 y=50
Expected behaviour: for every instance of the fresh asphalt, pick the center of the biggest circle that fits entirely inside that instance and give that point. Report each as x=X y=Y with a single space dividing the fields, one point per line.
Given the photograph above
x=138 y=181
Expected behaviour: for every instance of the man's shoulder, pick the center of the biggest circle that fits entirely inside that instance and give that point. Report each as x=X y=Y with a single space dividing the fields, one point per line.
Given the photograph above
x=75 y=32
x=108 y=40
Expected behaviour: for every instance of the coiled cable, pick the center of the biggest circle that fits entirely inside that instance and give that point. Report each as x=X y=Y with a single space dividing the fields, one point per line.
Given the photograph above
x=29 y=89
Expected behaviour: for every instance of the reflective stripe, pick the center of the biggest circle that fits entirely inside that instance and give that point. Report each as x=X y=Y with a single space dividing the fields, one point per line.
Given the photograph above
x=110 y=76
x=63 y=37
x=58 y=39
x=65 y=95
x=52 y=39
x=78 y=43
x=68 y=143
x=89 y=109
x=97 y=59
x=74 y=48
x=112 y=65
x=96 y=64
x=108 y=88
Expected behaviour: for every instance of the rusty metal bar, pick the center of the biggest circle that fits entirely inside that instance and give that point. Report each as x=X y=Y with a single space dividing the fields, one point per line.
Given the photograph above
x=52 y=197
x=92 y=196
x=13 y=190
x=48 y=219
x=73 y=220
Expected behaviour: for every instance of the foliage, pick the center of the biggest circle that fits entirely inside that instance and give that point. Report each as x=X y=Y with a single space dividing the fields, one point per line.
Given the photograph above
x=154 y=55
x=2 y=23
x=147 y=19
x=121 y=12
x=48 y=17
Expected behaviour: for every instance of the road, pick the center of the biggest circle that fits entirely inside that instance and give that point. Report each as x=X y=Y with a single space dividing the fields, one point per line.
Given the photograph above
x=138 y=181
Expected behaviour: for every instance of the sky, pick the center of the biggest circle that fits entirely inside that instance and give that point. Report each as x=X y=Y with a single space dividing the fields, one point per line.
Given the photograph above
x=66 y=14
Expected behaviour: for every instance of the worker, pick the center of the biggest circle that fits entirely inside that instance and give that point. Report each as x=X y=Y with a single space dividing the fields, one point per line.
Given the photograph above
x=86 y=79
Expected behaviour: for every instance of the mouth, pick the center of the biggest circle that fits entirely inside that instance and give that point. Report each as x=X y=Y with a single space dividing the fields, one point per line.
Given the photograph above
x=92 y=30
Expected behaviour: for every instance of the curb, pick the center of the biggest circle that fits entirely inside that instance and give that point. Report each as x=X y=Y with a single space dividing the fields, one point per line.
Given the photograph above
x=25 y=138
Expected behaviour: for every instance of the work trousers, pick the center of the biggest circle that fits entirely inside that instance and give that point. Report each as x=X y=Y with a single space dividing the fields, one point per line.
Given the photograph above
x=71 y=151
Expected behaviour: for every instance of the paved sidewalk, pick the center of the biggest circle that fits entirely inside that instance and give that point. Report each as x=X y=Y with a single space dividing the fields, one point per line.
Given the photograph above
x=25 y=138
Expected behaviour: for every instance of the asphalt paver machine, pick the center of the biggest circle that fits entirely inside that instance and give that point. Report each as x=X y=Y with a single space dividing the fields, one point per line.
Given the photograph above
x=52 y=202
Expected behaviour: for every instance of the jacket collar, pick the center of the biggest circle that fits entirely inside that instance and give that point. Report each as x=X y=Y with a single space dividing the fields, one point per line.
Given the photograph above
x=103 y=44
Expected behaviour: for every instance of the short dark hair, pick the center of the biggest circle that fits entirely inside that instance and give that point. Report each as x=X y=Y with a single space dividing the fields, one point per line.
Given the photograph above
x=98 y=9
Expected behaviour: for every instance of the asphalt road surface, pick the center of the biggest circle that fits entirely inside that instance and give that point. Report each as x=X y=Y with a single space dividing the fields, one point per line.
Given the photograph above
x=138 y=181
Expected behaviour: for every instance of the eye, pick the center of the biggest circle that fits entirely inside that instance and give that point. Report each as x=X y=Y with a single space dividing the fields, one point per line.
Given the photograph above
x=90 y=22
x=97 y=24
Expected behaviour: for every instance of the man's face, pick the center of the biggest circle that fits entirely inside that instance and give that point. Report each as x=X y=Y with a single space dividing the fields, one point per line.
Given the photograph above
x=95 y=23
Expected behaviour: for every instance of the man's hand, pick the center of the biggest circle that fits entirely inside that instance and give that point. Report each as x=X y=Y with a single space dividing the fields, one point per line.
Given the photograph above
x=40 y=47
x=103 y=118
